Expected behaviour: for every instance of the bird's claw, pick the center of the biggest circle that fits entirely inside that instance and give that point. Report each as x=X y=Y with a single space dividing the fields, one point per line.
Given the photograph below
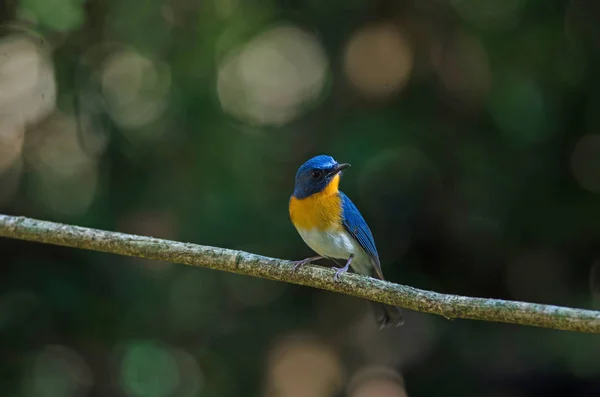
x=339 y=270
x=302 y=262
x=298 y=265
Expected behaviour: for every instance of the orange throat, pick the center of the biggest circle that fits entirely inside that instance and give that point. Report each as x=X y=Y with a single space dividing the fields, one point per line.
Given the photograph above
x=320 y=211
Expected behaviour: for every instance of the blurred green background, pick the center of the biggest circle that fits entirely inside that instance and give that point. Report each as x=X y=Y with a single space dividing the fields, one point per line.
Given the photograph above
x=472 y=128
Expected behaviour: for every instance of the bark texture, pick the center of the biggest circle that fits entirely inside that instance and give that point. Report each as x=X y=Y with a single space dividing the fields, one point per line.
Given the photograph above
x=449 y=306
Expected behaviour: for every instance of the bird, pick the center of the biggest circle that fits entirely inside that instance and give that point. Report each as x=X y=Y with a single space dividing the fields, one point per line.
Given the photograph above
x=331 y=225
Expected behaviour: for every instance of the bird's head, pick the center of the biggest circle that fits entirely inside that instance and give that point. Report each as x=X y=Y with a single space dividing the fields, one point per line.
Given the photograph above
x=317 y=174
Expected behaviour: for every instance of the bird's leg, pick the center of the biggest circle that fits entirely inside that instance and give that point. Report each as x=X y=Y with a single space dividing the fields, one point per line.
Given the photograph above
x=344 y=269
x=300 y=263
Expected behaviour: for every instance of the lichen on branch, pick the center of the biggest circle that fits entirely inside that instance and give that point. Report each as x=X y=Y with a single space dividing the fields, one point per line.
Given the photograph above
x=240 y=262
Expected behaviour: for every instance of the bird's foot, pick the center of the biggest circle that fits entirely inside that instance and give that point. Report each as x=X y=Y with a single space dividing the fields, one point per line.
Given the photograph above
x=340 y=270
x=300 y=263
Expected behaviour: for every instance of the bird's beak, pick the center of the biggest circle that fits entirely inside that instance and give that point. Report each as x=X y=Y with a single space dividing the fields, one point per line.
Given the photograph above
x=338 y=168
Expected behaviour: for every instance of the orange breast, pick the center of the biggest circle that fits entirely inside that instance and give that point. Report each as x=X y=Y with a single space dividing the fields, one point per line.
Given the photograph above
x=321 y=211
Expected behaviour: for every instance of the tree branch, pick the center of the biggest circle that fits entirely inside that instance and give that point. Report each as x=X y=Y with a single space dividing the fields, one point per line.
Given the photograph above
x=449 y=306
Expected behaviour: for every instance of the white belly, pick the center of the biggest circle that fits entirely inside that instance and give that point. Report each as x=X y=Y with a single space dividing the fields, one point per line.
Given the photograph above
x=338 y=245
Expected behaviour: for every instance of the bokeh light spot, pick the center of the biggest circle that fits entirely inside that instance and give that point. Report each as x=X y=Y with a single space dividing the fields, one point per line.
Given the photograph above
x=378 y=60
x=27 y=84
x=136 y=88
x=274 y=77
x=59 y=15
x=522 y=110
x=148 y=369
x=58 y=372
x=65 y=176
x=12 y=135
x=375 y=381
x=585 y=162
x=301 y=366
x=192 y=379
x=463 y=67
x=10 y=179
x=225 y=8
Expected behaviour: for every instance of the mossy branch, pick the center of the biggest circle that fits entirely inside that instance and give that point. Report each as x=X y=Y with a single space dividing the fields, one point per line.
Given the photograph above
x=449 y=306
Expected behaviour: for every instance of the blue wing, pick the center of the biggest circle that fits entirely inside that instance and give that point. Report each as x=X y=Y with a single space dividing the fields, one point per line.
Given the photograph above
x=358 y=228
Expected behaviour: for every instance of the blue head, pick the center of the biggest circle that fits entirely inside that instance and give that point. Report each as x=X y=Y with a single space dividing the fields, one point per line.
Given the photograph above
x=316 y=175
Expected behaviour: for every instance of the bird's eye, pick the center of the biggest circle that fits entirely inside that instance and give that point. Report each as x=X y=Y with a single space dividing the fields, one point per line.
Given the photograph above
x=316 y=174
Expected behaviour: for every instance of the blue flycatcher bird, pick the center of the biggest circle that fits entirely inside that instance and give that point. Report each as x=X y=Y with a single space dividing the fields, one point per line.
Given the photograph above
x=331 y=225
